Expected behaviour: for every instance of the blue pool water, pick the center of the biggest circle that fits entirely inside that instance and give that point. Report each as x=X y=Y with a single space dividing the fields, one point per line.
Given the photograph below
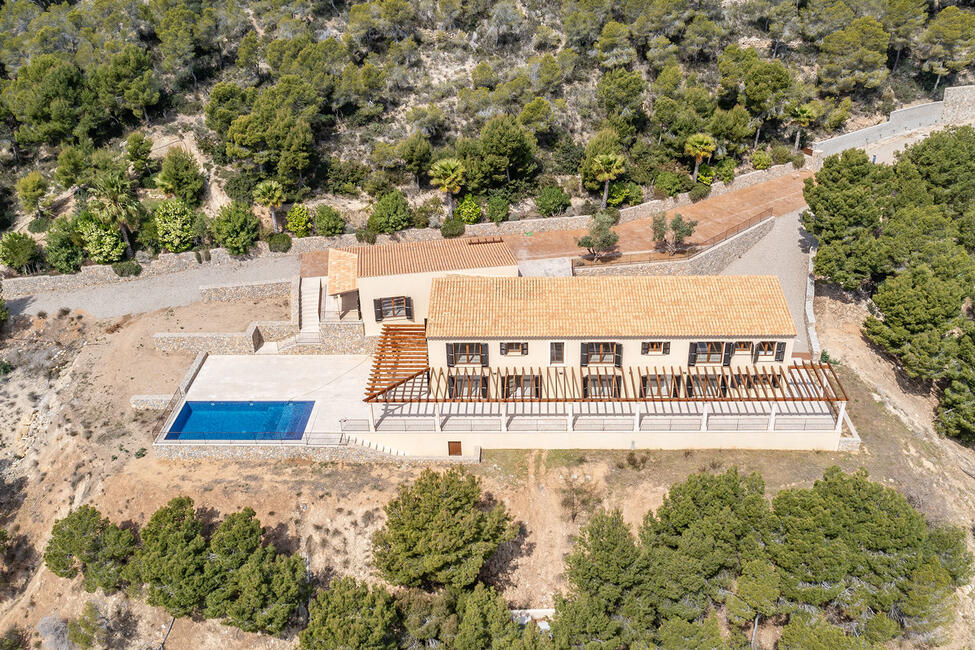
x=240 y=421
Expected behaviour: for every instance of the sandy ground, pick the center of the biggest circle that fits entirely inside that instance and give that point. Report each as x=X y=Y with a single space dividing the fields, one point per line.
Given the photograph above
x=83 y=444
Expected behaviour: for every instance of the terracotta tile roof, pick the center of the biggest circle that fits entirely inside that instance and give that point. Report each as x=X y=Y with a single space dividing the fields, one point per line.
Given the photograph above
x=560 y=307
x=341 y=271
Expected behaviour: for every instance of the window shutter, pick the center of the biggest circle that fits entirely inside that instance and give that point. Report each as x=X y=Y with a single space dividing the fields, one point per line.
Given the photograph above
x=450 y=355
x=755 y=349
x=409 y=307
x=451 y=385
x=504 y=349
x=484 y=356
x=692 y=354
x=377 y=304
x=484 y=387
x=689 y=385
x=645 y=347
x=618 y=355
x=644 y=380
x=729 y=349
x=585 y=385
x=584 y=356
x=537 y=386
x=524 y=348
x=617 y=386
x=666 y=347
x=780 y=351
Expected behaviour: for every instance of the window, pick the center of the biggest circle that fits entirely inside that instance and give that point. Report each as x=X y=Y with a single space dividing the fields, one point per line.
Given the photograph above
x=765 y=350
x=523 y=386
x=393 y=307
x=466 y=353
x=655 y=347
x=743 y=346
x=707 y=351
x=602 y=386
x=657 y=386
x=466 y=386
x=600 y=353
x=514 y=349
x=556 y=352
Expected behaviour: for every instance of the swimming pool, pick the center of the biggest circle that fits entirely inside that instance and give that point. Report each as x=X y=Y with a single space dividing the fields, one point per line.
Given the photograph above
x=258 y=421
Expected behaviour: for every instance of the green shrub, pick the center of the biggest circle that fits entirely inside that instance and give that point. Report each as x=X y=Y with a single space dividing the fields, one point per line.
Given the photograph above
x=180 y=176
x=498 y=208
x=781 y=154
x=174 y=225
x=298 y=220
x=127 y=268
x=63 y=251
x=240 y=187
x=236 y=228
x=672 y=184
x=39 y=225
x=344 y=177
x=452 y=228
x=798 y=160
x=18 y=250
x=705 y=174
x=426 y=212
x=624 y=192
x=391 y=213
x=103 y=243
x=468 y=211
x=725 y=170
x=328 y=221
x=378 y=183
x=279 y=242
x=137 y=150
x=85 y=542
x=552 y=200
x=699 y=192
x=761 y=159
x=366 y=235
x=147 y=236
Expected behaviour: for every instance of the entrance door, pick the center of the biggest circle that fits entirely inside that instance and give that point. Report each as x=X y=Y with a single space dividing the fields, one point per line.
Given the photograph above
x=453 y=449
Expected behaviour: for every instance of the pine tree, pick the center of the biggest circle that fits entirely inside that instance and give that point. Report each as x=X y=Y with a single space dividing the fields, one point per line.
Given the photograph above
x=350 y=616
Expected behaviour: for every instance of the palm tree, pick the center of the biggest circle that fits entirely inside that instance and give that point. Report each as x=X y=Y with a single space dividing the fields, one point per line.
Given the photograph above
x=698 y=146
x=270 y=194
x=448 y=175
x=115 y=204
x=607 y=167
x=802 y=116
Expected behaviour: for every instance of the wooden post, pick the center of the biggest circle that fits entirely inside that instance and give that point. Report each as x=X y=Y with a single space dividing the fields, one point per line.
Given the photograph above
x=372 y=418
x=771 y=417
x=704 y=417
x=839 y=418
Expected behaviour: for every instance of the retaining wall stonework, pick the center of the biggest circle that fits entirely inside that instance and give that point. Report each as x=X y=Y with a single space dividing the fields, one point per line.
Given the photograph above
x=246 y=342
x=707 y=262
x=345 y=338
x=338 y=453
x=149 y=402
x=244 y=291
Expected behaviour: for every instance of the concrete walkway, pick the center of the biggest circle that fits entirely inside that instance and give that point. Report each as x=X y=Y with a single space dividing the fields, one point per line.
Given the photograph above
x=156 y=292
x=783 y=252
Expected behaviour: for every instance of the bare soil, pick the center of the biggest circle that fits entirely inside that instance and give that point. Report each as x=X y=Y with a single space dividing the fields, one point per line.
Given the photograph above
x=77 y=440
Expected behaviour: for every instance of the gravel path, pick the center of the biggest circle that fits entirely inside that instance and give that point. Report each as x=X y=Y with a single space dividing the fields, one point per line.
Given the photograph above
x=783 y=252
x=157 y=292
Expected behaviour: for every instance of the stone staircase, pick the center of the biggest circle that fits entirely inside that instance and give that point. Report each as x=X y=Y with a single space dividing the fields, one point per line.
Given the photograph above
x=309 y=332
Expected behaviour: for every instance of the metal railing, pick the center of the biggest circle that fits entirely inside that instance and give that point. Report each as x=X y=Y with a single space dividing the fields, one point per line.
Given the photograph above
x=685 y=253
x=307 y=438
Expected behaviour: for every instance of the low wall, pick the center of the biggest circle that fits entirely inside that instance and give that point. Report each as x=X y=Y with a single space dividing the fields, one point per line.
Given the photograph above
x=245 y=291
x=345 y=338
x=708 y=262
x=246 y=342
x=350 y=453
x=149 y=402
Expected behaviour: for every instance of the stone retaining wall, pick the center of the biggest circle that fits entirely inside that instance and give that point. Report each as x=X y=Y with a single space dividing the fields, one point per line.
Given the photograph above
x=707 y=262
x=245 y=291
x=246 y=342
x=149 y=402
x=345 y=337
x=338 y=453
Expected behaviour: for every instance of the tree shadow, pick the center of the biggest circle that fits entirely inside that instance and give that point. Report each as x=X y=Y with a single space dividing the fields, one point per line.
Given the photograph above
x=122 y=629
x=281 y=539
x=500 y=568
x=210 y=518
x=807 y=241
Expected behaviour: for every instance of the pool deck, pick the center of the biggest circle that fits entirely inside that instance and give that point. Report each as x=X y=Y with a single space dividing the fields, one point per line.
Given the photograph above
x=334 y=382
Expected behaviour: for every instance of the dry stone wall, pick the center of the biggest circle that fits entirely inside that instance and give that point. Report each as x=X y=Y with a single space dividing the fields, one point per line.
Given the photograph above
x=244 y=291
x=347 y=453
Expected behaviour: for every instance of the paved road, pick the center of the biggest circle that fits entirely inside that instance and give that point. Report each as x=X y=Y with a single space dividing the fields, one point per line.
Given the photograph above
x=156 y=292
x=783 y=252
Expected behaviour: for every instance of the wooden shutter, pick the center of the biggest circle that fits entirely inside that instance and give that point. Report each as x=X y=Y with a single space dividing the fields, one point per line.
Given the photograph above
x=409 y=307
x=692 y=354
x=454 y=448
x=618 y=386
x=450 y=355
x=524 y=348
x=451 y=385
x=755 y=348
x=377 y=304
x=537 y=386
x=666 y=349
x=504 y=349
x=484 y=387
x=585 y=385
x=645 y=347
x=484 y=355
x=644 y=382
x=780 y=351
x=584 y=357
x=729 y=349
x=618 y=355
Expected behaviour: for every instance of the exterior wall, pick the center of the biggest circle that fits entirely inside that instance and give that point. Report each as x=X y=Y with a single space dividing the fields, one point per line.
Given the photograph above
x=244 y=291
x=435 y=443
x=415 y=286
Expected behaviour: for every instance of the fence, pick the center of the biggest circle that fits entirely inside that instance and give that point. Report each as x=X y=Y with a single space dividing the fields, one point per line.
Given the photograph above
x=687 y=252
